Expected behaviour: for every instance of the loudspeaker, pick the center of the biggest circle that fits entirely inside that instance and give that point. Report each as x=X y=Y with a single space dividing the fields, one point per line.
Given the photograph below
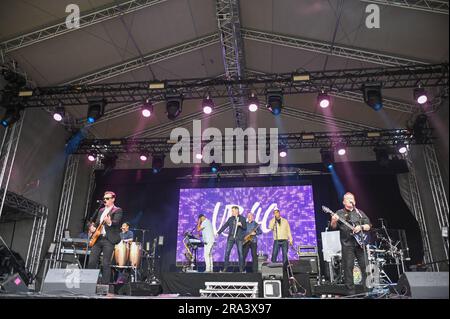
x=14 y=284
x=140 y=289
x=424 y=285
x=272 y=271
x=71 y=281
x=272 y=288
x=305 y=265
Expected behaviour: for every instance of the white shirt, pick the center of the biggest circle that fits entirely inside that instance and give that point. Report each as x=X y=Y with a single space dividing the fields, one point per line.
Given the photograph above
x=105 y=212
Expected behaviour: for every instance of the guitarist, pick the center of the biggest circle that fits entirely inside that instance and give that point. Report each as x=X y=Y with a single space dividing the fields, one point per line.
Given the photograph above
x=253 y=229
x=350 y=247
x=110 y=216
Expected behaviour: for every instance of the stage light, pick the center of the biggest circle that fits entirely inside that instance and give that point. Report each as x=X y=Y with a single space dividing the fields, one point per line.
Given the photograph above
x=59 y=114
x=327 y=156
x=401 y=147
x=282 y=151
x=215 y=167
x=253 y=103
x=157 y=163
x=372 y=95
x=92 y=157
x=207 y=105
x=198 y=156
x=11 y=116
x=143 y=157
x=283 y=154
x=174 y=105
x=341 y=151
x=420 y=95
x=301 y=77
x=96 y=109
x=156 y=85
x=147 y=109
x=323 y=100
x=274 y=100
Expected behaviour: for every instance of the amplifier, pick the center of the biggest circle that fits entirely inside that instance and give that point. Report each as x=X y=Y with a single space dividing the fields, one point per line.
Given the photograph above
x=306 y=265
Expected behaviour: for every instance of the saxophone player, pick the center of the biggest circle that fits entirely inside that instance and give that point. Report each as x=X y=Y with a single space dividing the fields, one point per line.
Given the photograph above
x=204 y=225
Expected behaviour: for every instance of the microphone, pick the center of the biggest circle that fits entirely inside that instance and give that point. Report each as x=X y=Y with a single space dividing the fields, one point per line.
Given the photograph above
x=99 y=201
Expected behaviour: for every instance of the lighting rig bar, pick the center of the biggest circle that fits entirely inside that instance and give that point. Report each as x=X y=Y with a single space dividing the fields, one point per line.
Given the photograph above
x=435 y=75
x=372 y=138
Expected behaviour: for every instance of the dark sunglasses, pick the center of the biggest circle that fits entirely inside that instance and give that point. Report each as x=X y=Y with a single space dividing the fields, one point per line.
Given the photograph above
x=107 y=198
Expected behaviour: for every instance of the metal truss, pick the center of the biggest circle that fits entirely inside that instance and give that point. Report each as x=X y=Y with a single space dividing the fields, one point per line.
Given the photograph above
x=20 y=208
x=358 y=97
x=330 y=81
x=8 y=152
x=440 y=199
x=230 y=172
x=434 y=6
x=65 y=207
x=330 y=140
x=414 y=202
x=148 y=59
x=229 y=24
x=328 y=48
x=86 y=20
x=165 y=128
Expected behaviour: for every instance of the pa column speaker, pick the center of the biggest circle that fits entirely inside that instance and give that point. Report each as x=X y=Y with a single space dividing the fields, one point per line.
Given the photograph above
x=424 y=285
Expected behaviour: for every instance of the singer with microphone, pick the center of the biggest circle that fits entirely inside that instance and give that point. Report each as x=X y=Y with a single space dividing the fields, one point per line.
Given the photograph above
x=281 y=236
x=236 y=225
x=107 y=222
x=350 y=247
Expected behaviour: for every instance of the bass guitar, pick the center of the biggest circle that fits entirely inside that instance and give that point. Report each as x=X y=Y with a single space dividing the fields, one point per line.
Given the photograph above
x=361 y=237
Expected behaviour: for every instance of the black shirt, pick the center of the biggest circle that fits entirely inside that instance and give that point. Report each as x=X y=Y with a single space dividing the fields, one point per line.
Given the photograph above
x=354 y=217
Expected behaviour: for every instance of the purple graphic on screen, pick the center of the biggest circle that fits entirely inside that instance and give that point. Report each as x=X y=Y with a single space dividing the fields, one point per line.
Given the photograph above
x=296 y=204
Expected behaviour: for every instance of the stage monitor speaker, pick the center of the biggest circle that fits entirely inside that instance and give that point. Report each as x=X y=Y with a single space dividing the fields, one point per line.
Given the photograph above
x=140 y=289
x=305 y=265
x=14 y=284
x=72 y=281
x=272 y=271
x=424 y=285
x=272 y=288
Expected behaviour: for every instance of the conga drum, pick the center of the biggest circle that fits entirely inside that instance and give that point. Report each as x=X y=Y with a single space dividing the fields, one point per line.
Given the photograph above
x=135 y=254
x=121 y=254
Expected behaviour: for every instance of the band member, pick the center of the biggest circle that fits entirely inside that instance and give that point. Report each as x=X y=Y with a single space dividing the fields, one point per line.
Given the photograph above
x=126 y=235
x=253 y=229
x=236 y=229
x=350 y=247
x=111 y=215
x=281 y=236
x=204 y=225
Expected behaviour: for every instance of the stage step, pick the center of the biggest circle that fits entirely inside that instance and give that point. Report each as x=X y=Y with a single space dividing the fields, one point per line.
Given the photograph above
x=230 y=290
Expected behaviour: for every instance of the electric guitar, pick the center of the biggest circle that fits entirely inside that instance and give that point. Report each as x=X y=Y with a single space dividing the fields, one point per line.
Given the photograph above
x=250 y=236
x=361 y=237
x=98 y=231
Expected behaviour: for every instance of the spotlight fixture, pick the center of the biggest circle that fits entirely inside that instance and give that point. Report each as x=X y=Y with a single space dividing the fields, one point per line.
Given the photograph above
x=401 y=148
x=323 y=100
x=96 y=109
x=253 y=103
x=199 y=156
x=11 y=116
x=282 y=151
x=143 y=156
x=157 y=163
x=341 y=151
x=283 y=154
x=147 y=108
x=327 y=157
x=59 y=113
x=92 y=156
x=274 y=100
x=174 y=105
x=207 y=105
x=420 y=95
x=215 y=167
x=372 y=95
